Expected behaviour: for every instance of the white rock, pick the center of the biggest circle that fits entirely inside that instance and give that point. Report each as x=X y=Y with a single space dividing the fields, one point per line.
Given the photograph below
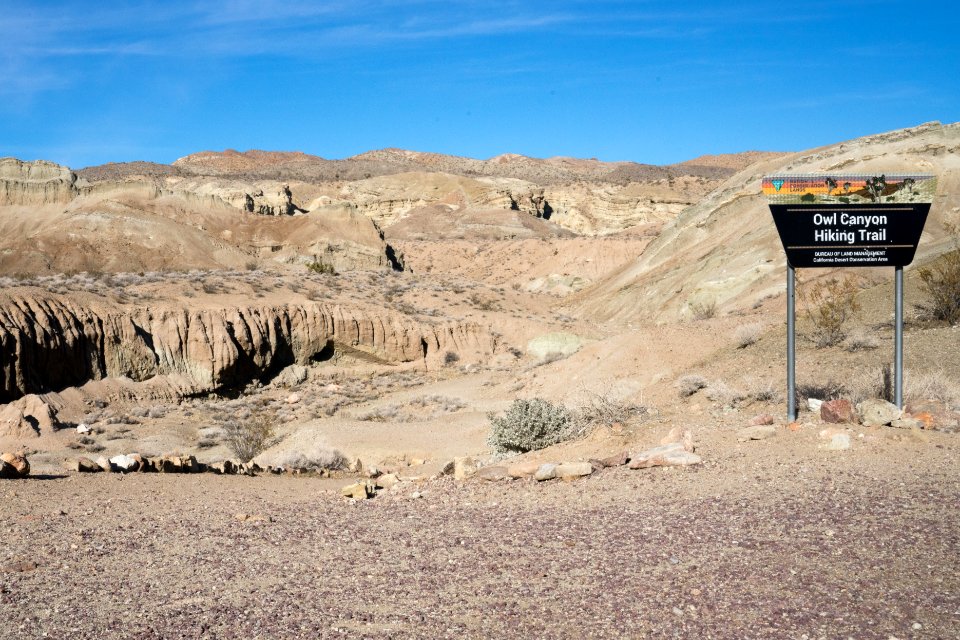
x=838 y=442
x=82 y=428
x=124 y=462
x=547 y=471
x=814 y=405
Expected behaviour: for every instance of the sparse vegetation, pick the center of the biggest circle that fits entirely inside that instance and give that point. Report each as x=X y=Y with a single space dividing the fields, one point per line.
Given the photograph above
x=605 y=409
x=704 y=309
x=689 y=385
x=747 y=334
x=831 y=305
x=450 y=358
x=860 y=341
x=248 y=438
x=321 y=267
x=315 y=459
x=941 y=281
x=529 y=425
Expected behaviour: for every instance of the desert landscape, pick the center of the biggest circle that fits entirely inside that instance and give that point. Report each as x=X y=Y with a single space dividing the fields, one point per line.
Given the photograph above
x=406 y=394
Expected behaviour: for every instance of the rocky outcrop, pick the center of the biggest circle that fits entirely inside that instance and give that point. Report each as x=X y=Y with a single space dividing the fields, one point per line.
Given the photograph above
x=35 y=183
x=49 y=343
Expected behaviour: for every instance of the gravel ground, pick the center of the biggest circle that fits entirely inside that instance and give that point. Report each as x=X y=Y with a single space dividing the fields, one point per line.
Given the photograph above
x=771 y=539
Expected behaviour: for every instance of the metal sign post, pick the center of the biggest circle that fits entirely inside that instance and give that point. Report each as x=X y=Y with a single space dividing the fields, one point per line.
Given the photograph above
x=841 y=221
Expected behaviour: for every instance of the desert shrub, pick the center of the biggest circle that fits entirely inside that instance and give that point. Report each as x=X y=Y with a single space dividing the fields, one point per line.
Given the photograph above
x=450 y=358
x=831 y=304
x=747 y=334
x=529 y=425
x=764 y=392
x=722 y=393
x=602 y=408
x=860 y=341
x=319 y=266
x=704 y=310
x=689 y=385
x=317 y=457
x=918 y=387
x=941 y=281
x=249 y=438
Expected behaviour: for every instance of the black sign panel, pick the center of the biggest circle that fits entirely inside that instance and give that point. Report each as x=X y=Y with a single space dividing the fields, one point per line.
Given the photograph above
x=850 y=235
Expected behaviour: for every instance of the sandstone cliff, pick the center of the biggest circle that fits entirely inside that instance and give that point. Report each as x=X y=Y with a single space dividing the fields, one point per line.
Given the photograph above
x=35 y=183
x=50 y=342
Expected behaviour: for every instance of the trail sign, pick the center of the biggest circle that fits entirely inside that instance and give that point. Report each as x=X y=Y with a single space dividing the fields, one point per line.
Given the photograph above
x=849 y=220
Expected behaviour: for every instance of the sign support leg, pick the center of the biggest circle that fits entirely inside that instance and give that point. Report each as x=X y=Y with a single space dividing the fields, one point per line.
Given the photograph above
x=791 y=346
x=898 y=339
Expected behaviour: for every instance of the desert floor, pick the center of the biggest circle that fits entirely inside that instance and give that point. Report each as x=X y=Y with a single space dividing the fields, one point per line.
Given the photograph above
x=768 y=539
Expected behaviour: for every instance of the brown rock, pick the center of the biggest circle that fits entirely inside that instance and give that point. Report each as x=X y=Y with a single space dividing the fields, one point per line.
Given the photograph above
x=387 y=481
x=464 y=467
x=837 y=411
x=18 y=462
x=756 y=432
x=568 y=470
x=762 y=419
x=358 y=490
x=83 y=465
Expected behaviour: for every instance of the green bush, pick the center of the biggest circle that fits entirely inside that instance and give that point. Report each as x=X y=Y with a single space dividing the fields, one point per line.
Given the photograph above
x=831 y=305
x=319 y=266
x=528 y=425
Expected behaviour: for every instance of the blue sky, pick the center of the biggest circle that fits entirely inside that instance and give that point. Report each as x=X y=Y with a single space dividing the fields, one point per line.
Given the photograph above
x=84 y=83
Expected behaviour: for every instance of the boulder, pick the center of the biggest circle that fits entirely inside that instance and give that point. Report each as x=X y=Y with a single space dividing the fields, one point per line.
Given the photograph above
x=224 y=467
x=837 y=411
x=14 y=465
x=293 y=375
x=387 y=481
x=569 y=470
x=549 y=344
x=83 y=465
x=668 y=455
x=125 y=463
x=877 y=413
x=547 y=471
x=358 y=490
x=464 y=467
x=908 y=423
x=756 y=432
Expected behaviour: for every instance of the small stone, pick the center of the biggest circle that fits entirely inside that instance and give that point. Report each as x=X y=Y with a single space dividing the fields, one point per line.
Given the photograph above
x=493 y=473
x=82 y=428
x=762 y=419
x=464 y=467
x=877 y=413
x=814 y=405
x=446 y=469
x=523 y=469
x=547 y=471
x=416 y=495
x=917 y=626
x=104 y=464
x=756 y=432
x=837 y=411
x=573 y=469
x=679 y=435
x=417 y=462
x=293 y=398
x=356 y=466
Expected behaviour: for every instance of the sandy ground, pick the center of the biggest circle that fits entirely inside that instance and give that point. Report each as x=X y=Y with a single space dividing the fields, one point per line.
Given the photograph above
x=768 y=539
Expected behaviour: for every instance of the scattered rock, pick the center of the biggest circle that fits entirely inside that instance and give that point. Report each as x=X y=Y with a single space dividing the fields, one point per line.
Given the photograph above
x=17 y=465
x=668 y=455
x=356 y=466
x=104 y=464
x=617 y=460
x=124 y=463
x=814 y=405
x=387 y=481
x=293 y=375
x=547 y=471
x=358 y=490
x=762 y=419
x=293 y=398
x=82 y=428
x=908 y=423
x=839 y=442
x=837 y=411
x=464 y=467
x=877 y=413
x=756 y=432
x=83 y=465
x=523 y=469
x=447 y=469
x=493 y=473
x=573 y=469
